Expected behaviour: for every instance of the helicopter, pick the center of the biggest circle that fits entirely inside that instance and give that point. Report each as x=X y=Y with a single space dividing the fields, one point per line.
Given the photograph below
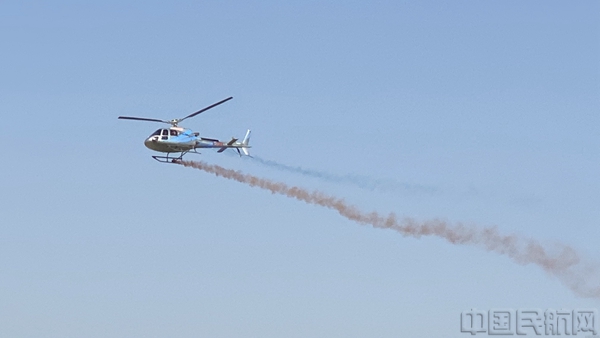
x=181 y=141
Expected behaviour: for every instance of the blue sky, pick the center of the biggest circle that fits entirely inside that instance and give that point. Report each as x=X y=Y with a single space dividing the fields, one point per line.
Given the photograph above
x=491 y=107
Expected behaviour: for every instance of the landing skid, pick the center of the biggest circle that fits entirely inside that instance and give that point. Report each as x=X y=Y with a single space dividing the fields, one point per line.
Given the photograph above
x=167 y=159
x=172 y=159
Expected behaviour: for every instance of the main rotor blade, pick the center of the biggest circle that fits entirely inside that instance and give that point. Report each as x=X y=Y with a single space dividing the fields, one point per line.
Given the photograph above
x=207 y=108
x=141 y=119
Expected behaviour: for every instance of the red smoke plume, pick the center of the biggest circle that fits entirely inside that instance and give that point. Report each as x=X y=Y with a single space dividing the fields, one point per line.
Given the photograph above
x=560 y=260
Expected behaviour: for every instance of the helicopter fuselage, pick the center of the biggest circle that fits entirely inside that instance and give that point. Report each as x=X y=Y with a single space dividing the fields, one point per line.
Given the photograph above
x=175 y=139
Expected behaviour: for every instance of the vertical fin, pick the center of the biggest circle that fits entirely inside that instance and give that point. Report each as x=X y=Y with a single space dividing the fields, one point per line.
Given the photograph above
x=246 y=138
x=245 y=143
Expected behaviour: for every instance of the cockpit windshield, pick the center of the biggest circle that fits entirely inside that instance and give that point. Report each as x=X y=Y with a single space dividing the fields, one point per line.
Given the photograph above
x=165 y=134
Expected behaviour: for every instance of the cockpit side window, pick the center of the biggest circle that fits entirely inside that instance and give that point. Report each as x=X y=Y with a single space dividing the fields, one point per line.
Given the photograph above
x=165 y=132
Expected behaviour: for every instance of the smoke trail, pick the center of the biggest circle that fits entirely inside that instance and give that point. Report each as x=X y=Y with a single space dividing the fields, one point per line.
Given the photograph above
x=560 y=260
x=360 y=181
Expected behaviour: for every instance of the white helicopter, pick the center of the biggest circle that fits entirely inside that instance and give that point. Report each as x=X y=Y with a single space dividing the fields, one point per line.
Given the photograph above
x=182 y=141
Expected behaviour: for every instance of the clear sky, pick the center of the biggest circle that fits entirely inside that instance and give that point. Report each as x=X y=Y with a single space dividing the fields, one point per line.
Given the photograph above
x=485 y=112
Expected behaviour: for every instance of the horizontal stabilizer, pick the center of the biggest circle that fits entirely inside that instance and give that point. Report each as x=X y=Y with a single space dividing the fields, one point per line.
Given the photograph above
x=222 y=149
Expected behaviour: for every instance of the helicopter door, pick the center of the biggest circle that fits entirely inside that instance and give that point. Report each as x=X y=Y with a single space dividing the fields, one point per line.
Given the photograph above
x=165 y=134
